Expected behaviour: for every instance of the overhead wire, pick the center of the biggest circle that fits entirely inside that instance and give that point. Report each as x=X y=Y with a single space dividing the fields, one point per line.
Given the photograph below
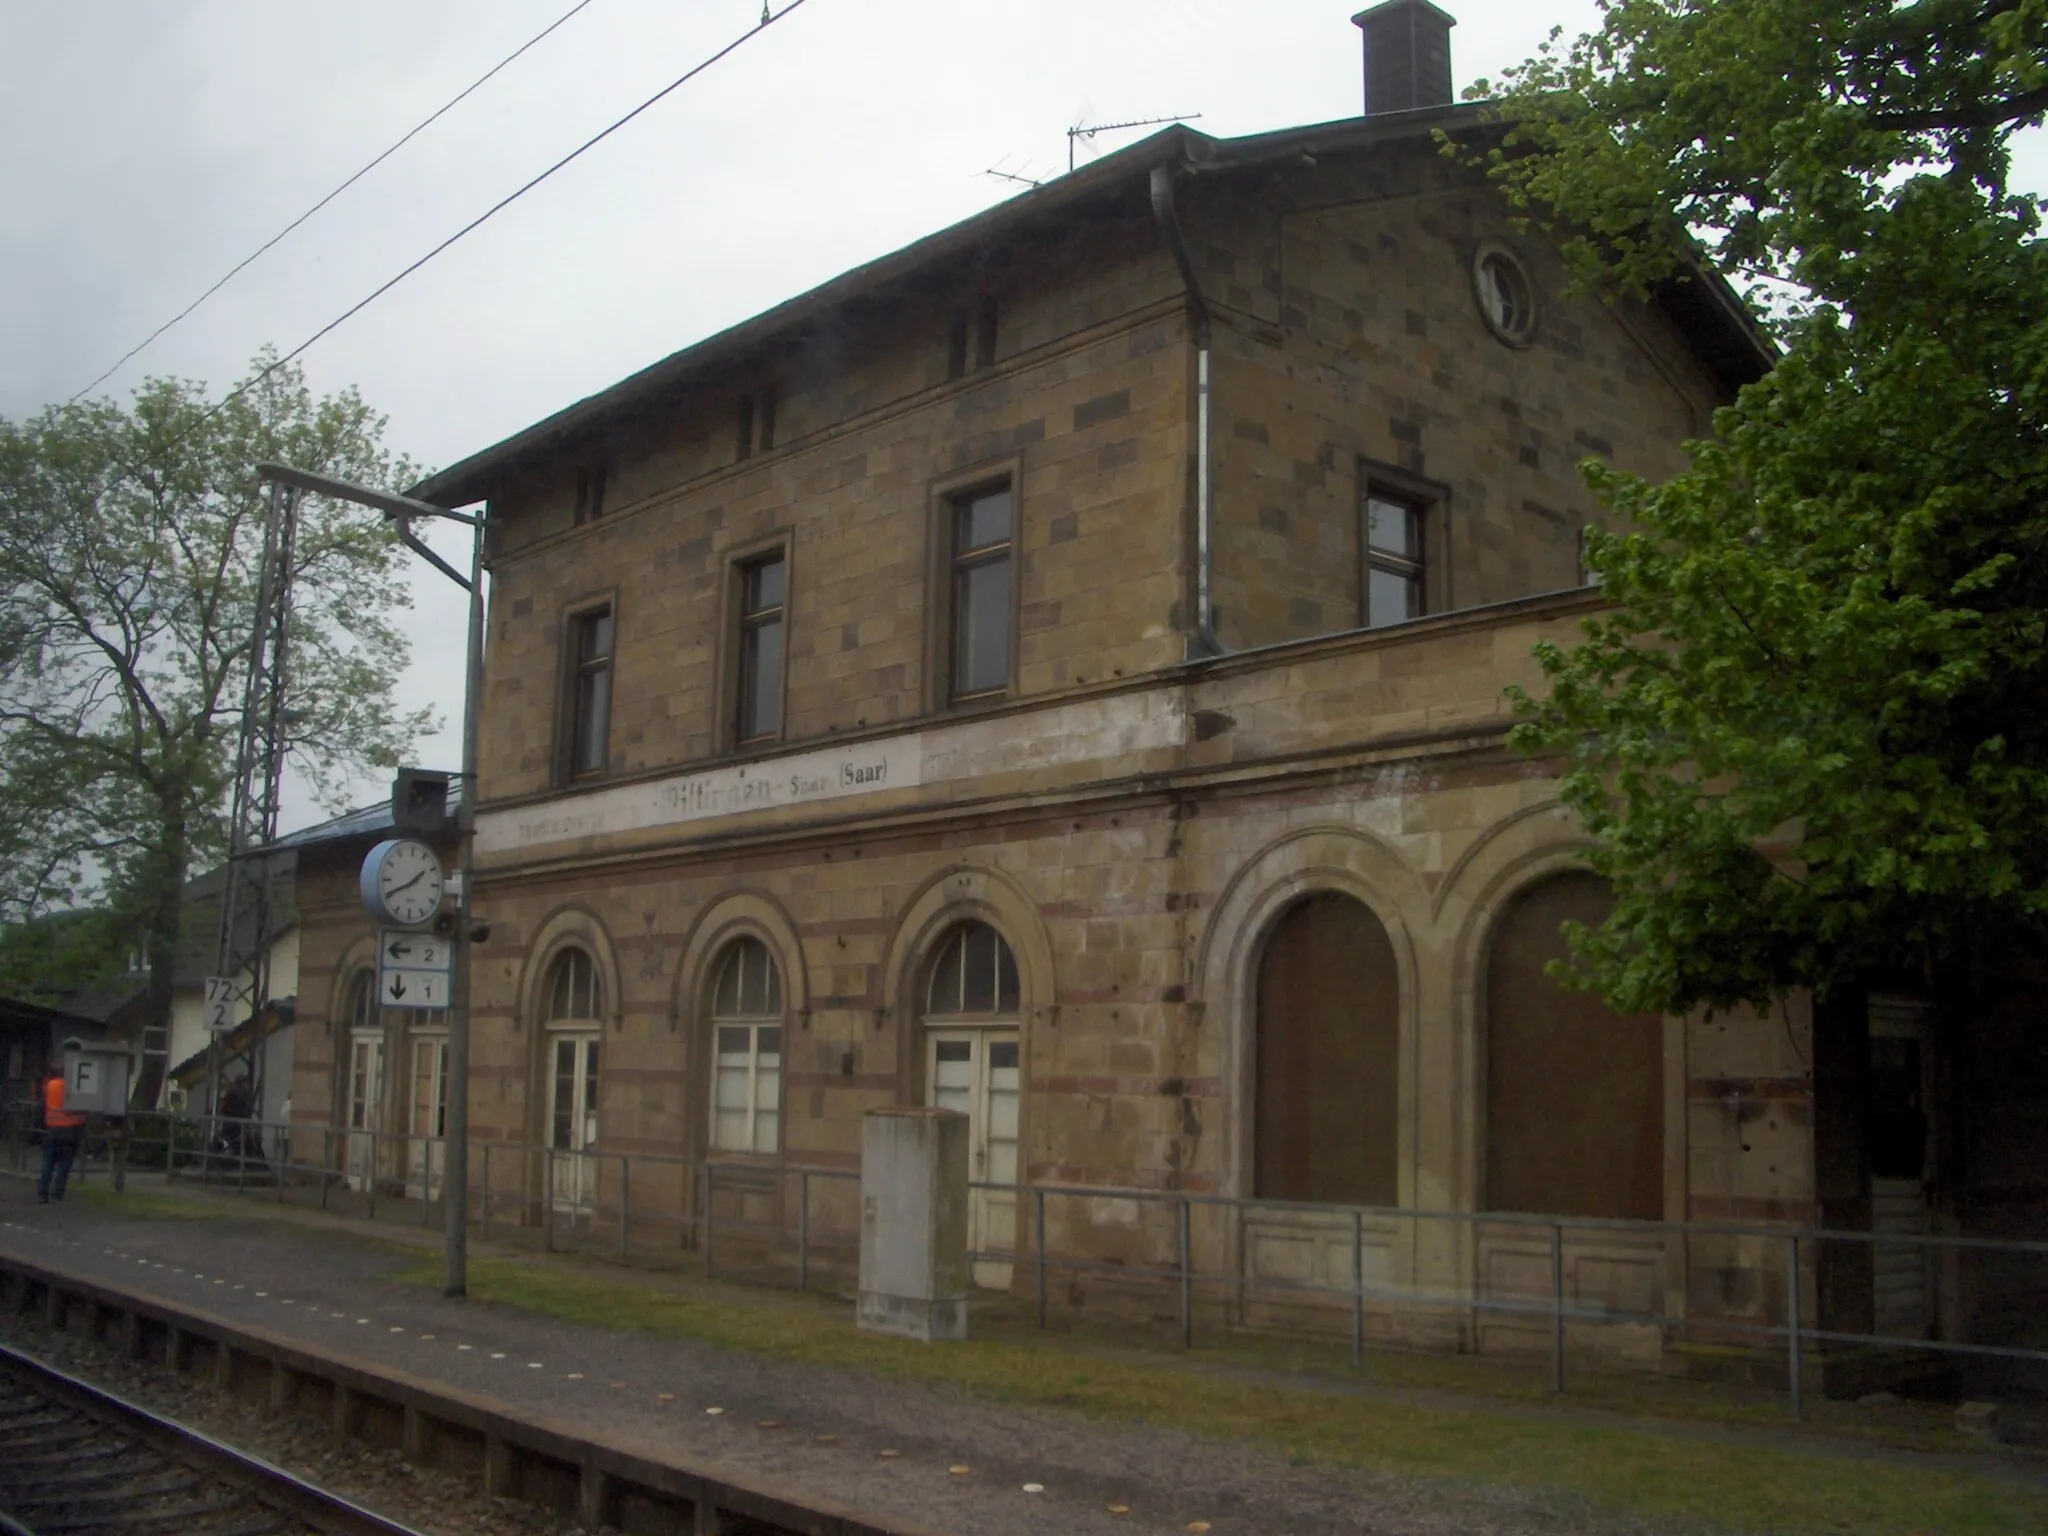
x=410 y=134
x=768 y=19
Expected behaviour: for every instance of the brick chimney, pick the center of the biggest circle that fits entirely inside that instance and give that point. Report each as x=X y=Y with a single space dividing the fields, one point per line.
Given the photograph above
x=1407 y=56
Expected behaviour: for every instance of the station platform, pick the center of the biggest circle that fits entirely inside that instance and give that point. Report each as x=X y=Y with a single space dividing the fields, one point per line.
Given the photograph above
x=894 y=1451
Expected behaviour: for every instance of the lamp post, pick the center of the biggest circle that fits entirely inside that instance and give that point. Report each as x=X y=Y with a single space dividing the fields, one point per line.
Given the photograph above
x=455 y=1162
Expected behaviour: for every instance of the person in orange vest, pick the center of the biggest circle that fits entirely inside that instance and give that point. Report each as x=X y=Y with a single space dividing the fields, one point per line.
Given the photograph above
x=63 y=1129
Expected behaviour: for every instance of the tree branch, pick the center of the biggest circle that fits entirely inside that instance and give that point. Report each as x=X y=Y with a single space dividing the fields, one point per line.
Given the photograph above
x=1982 y=114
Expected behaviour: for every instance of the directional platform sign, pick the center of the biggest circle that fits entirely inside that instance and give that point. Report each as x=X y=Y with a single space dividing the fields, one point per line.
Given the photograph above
x=412 y=969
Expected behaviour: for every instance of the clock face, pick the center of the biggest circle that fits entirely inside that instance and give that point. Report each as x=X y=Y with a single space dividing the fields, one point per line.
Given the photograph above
x=402 y=881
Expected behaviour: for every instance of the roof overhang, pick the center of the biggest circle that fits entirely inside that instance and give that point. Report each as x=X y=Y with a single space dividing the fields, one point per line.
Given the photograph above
x=1711 y=317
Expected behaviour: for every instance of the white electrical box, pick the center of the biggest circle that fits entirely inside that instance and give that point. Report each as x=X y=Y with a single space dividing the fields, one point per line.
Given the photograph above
x=913 y=1223
x=95 y=1078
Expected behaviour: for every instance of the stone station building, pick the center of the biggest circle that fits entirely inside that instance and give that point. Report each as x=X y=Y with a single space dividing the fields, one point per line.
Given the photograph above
x=1055 y=671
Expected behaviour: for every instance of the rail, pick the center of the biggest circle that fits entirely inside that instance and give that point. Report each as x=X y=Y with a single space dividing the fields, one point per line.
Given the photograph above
x=45 y=1481
x=768 y=1217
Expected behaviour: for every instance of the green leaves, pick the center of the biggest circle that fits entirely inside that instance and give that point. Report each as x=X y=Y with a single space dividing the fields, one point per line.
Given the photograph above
x=129 y=546
x=1809 y=738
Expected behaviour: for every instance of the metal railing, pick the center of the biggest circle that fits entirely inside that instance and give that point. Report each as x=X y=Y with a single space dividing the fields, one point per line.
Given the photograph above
x=766 y=1218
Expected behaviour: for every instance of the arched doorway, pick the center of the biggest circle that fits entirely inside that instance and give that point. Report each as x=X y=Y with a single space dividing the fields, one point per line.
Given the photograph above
x=1327 y=1091
x=1574 y=1090
x=973 y=1064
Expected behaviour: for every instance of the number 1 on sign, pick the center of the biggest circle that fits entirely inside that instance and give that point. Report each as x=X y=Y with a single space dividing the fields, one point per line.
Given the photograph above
x=413 y=989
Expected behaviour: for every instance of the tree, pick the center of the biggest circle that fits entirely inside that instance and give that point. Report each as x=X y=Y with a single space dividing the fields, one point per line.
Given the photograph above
x=1809 y=738
x=129 y=546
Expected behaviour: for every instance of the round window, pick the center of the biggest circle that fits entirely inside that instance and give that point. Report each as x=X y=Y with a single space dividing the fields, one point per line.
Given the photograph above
x=1507 y=299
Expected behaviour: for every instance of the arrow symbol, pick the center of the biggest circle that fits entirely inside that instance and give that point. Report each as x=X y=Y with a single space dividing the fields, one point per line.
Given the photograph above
x=399 y=949
x=398 y=986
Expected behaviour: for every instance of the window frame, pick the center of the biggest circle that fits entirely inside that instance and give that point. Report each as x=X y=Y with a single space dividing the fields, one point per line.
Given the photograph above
x=946 y=497
x=1429 y=503
x=568 y=735
x=776 y=1019
x=725 y=725
x=1517 y=327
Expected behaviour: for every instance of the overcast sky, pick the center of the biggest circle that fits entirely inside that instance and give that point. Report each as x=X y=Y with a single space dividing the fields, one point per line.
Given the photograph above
x=150 y=146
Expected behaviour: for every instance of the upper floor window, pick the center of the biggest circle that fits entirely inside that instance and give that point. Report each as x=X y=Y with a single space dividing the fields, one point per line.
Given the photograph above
x=743 y=437
x=590 y=691
x=755 y=427
x=759 y=684
x=589 y=495
x=981 y=588
x=1393 y=560
x=746 y=1027
x=975 y=342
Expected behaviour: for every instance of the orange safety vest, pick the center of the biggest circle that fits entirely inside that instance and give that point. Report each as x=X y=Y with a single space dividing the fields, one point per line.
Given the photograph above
x=55 y=1115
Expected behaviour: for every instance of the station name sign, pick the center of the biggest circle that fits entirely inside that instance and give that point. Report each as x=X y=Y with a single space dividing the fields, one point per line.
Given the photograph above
x=806 y=779
x=1109 y=733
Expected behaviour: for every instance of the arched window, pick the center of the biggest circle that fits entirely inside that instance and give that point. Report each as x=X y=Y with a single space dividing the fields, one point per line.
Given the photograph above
x=573 y=990
x=359 y=1011
x=1328 y=1086
x=973 y=1064
x=746 y=1028
x=974 y=973
x=1574 y=1090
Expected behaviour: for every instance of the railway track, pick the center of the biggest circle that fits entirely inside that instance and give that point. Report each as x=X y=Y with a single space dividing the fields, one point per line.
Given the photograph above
x=75 y=1460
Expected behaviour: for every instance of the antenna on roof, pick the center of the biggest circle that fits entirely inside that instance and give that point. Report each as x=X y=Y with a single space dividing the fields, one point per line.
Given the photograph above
x=1078 y=132
x=1022 y=174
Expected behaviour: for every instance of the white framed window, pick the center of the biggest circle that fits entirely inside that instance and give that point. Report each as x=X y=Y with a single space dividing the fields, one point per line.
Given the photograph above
x=1505 y=293
x=746 y=1045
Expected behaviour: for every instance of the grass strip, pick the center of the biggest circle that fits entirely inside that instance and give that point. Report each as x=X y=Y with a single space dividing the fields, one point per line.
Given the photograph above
x=1694 y=1482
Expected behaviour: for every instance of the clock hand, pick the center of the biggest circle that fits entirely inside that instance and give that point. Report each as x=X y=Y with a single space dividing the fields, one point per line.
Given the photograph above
x=415 y=880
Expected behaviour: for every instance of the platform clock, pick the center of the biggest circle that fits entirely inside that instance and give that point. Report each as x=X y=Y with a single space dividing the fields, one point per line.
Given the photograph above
x=402 y=882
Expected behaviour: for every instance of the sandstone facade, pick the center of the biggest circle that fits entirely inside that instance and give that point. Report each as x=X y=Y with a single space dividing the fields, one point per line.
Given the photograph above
x=1138 y=821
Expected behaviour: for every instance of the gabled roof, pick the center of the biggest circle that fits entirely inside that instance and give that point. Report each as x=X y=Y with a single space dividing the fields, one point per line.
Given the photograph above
x=1706 y=311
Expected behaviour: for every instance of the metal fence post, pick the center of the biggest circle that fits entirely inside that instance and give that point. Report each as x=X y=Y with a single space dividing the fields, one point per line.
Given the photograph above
x=486 y=1214
x=326 y=1162
x=1795 y=1386
x=1556 y=1307
x=372 y=1178
x=547 y=1199
x=120 y=1162
x=1357 y=1290
x=710 y=1169
x=625 y=1230
x=426 y=1181
x=1187 y=1278
x=803 y=1230
x=284 y=1159
x=1038 y=1246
